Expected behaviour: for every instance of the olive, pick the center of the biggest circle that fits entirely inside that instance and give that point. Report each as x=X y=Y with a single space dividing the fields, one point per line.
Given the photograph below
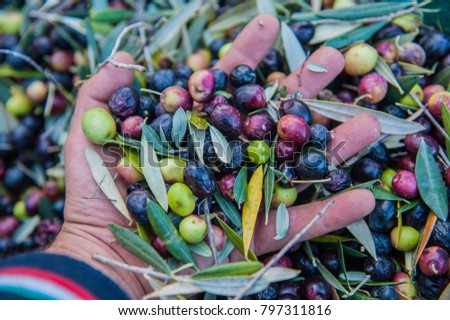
x=311 y=165
x=221 y=80
x=173 y=98
x=315 y=288
x=163 y=123
x=259 y=126
x=366 y=169
x=360 y=59
x=374 y=86
x=330 y=260
x=412 y=53
x=161 y=79
x=258 y=152
x=303 y=31
x=137 y=205
x=417 y=216
x=242 y=75
x=201 y=85
x=380 y=154
x=434 y=261
x=183 y=71
x=288 y=175
x=320 y=136
x=227 y=119
x=270 y=293
x=412 y=143
x=293 y=128
x=382 y=242
x=384 y=293
x=405 y=185
x=199 y=179
x=383 y=218
x=340 y=180
x=283 y=195
x=382 y=269
x=237 y=157
x=271 y=62
x=406 y=239
x=249 y=97
x=441 y=234
x=226 y=186
x=406 y=163
x=430 y=287
x=297 y=108
x=124 y=102
x=436 y=45
x=181 y=199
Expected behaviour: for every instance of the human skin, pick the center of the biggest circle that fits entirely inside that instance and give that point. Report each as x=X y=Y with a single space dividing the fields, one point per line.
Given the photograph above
x=85 y=231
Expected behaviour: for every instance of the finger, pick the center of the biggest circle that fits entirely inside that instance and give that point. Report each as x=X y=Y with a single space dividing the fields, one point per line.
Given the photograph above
x=348 y=207
x=251 y=44
x=310 y=83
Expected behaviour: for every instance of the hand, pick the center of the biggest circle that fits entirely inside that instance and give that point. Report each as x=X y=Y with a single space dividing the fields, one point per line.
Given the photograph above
x=85 y=229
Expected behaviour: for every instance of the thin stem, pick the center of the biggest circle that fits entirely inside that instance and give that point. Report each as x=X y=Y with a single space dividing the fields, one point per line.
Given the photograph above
x=359 y=286
x=283 y=251
x=145 y=41
x=115 y=49
x=46 y=74
x=211 y=233
x=124 y=266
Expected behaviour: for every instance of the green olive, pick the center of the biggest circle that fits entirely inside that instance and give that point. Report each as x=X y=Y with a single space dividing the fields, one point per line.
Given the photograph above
x=387 y=176
x=98 y=125
x=193 y=229
x=284 y=195
x=19 y=210
x=181 y=199
x=258 y=152
x=19 y=105
x=172 y=169
x=409 y=238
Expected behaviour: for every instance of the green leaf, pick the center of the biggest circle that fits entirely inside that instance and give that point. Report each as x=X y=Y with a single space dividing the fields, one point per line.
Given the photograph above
x=221 y=145
x=412 y=69
x=236 y=240
x=176 y=288
x=282 y=222
x=439 y=19
x=111 y=15
x=173 y=27
x=229 y=286
x=361 y=232
x=295 y=55
x=443 y=77
x=407 y=83
x=226 y=251
x=202 y=249
x=198 y=140
x=240 y=186
x=408 y=206
x=360 y=34
x=91 y=46
x=364 y=10
x=269 y=185
x=430 y=183
x=315 y=67
x=228 y=209
x=385 y=71
x=383 y=194
x=152 y=173
x=135 y=245
x=343 y=112
x=270 y=90
x=166 y=231
x=328 y=276
x=25 y=229
x=238 y=15
x=198 y=24
x=105 y=181
x=230 y=269
x=331 y=238
x=342 y=263
x=179 y=126
x=266 y=6
x=327 y=31
x=445 y=117
x=354 y=253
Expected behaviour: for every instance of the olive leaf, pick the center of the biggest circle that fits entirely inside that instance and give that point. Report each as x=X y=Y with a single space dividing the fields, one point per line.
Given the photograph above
x=364 y=10
x=221 y=145
x=198 y=24
x=229 y=286
x=251 y=207
x=266 y=6
x=430 y=182
x=166 y=231
x=228 y=209
x=328 y=276
x=239 y=268
x=25 y=229
x=105 y=181
x=45 y=208
x=445 y=117
x=270 y=90
x=152 y=137
x=138 y=247
x=233 y=17
x=342 y=112
x=111 y=15
x=361 y=232
x=152 y=173
x=326 y=31
x=202 y=249
x=331 y=238
x=173 y=27
x=269 y=185
x=383 y=194
x=236 y=240
x=295 y=55
x=360 y=34
x=354 y=253
x=176 y=288
x=198 y=138
x=92 y=48
x=408 y=206
x=226 y=251
x=445 y=295
x=240 y=186
x=179 y=126
x=443 y=77
x=315 y=67
x=412 y=69
x=282 y=222
x=342 y=263
x=407 y=83
x=385 y=71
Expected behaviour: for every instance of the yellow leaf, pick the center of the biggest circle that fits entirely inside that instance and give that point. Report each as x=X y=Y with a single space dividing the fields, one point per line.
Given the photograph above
x=251 y=207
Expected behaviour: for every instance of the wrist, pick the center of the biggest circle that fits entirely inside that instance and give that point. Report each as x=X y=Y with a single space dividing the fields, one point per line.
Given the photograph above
x=82 y=242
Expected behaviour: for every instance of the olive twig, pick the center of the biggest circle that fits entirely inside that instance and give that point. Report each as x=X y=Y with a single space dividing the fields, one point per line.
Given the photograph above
x=148 y=271
x=45 y=73
x=283 y=251
x=115 y=49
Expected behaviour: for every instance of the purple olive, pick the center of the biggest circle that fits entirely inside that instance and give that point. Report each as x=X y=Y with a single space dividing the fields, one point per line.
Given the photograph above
x=285 y=151
x=315 y=288
x=201 y=85
x=32 y=201
x=8 y=225
x=124 y=102
x=434 y=261
x=226 y=185
x=159 y=246
x=374 y=85
x=406 y=163
x=297 y=108
x=412 y=53
x=227 y=119
x=405 y=185
x=175 y=97
x=259 y=126
x=132 y=127
x=250 y=97
x=412 y=143
x=293 y=128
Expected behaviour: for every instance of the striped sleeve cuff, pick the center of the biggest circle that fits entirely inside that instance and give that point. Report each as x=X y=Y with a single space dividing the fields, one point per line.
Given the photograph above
x=50 y=276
